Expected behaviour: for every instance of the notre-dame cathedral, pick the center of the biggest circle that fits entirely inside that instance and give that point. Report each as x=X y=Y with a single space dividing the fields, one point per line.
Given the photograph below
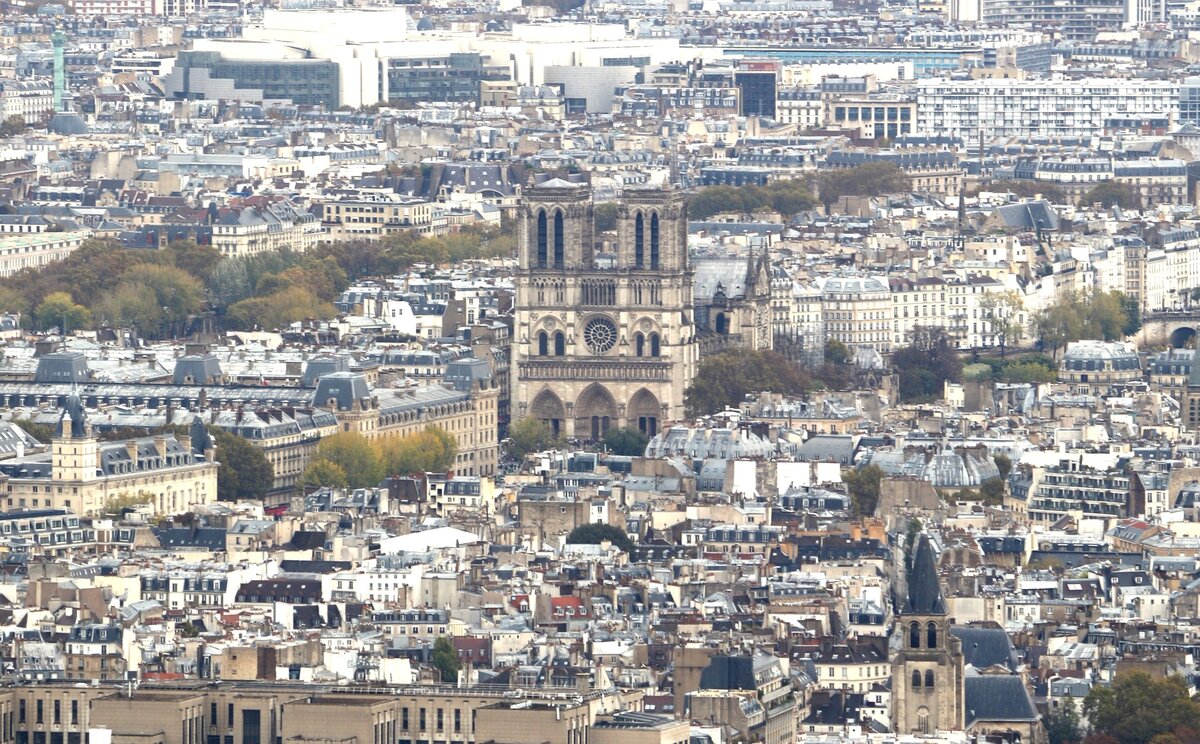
x=602 y=340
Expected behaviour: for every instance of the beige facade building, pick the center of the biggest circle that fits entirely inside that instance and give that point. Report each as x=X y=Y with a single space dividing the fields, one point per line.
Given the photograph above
x=602 y=342
x=375 y=218
x=82 y=475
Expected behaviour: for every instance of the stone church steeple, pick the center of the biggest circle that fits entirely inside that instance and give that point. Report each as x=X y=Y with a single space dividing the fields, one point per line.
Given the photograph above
x=928 y=668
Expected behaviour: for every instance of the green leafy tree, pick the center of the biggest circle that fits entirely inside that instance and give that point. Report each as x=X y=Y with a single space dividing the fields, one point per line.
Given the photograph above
x=445 y=659
x=322 y=473
x=198 y=261
x=1062 y=725
x=58 y=310
x=869 y=179
x=245 y=472
x=594 y=534
x=606 y=216
x=12 y=301
x=530 y=435
x=926 y=364
x=1112 y=194
x=1004 y=464
x=725 y=379
x=626 y=441
x=1002 y=310
x=992 y=491
x=1136 y=707
x=355 y=455
x=12 y=126
x=41 y=432
x=836 y=352
x=863 y=486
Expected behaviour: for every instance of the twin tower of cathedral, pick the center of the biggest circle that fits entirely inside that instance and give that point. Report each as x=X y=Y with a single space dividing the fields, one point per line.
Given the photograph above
x=602 y=339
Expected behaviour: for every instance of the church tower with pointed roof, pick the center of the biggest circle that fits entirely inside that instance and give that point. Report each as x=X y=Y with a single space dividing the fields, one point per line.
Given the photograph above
x=928 y=669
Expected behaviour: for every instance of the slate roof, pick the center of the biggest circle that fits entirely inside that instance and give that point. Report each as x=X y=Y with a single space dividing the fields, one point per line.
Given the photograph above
x=986 y=647
x=924 y=591
x=997 y=697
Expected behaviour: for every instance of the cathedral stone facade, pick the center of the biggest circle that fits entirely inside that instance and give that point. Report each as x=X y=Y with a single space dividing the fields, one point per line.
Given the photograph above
x=602 y=340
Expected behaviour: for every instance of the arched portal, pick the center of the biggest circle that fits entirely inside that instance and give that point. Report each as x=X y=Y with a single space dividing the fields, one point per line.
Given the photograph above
x=643 y=412
x=595 y=412
x=548 y=409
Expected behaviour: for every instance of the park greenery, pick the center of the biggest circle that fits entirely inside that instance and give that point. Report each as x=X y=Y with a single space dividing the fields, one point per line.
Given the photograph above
x=594 y=534
x=1138 y=708
x=626 y=440
x=157 y=292
x=528 y=435
x=1112 y=194
x=350 y=460
x=724 y=380
x=924 y=366
x=1025 y=368
x=1109 y=316
x=791 y=197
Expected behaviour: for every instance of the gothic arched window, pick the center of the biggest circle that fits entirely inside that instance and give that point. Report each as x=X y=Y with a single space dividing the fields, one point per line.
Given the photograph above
x=931 y=635
x=639 y=343
x=654 y=345
x=639 y=241
x=914 y=635
x=654 y=241
x=543 y=344
x=543 y=239
x=560 y=344
x=559 y=240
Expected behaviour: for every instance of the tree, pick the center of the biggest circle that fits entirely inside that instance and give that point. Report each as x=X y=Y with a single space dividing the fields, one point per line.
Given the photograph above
x=594 y=534
x=278 y=310
x=868 y=179
x=606 y=216
x=1004 y=465
x=1136 y=707
x=530 y=435
x=198 y=261
x=1112 y=193
x=992 y=491
x=626 y=441
x=1104 y=315
x=1028 y=190
x=836 y=352
x=41 y=432
x=59 y=311
x=1062 y=725
x=322 y=473
x=12 y=126
x=1133 y=315
x=445 y=659
x=12 y=301
x=926 y=364
x=245 y=472
x=724 y=380
x=863 y=486
x=355 y=456
x=1002 y=310
x=117 y=505
x=430 y=451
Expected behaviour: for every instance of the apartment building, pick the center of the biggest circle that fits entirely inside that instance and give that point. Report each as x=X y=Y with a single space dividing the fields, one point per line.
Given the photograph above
x=857 y=311
x=375 y=216
x=249 y=230
x=24 y=250
x=1045 y=109
x=32 y=100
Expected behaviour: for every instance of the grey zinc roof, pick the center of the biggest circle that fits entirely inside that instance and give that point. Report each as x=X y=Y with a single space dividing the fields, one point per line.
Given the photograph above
x=62 y=366
x=998 y=697
x=986 y=647
x=197 y=369
x=727 y=273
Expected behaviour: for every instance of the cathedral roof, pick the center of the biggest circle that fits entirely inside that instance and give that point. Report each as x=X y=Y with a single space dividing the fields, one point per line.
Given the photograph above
x=924 y=591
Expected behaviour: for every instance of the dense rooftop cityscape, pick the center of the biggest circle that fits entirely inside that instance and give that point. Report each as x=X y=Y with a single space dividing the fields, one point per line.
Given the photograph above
x=590 y=372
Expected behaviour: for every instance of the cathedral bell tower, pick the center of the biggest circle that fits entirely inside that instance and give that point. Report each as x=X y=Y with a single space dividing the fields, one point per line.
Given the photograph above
x=928 y=669
x=602 y=340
